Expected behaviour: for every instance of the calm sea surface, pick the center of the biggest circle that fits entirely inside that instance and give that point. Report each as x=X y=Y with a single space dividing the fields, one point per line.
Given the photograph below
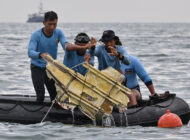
x=163 y=49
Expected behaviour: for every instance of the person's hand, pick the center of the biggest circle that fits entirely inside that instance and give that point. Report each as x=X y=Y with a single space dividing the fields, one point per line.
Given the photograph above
x=162 y=95
x=113 y=51
x=42 y=55
x=87 y=58
x=91 y=44
x=93 y=41
x=154 y=96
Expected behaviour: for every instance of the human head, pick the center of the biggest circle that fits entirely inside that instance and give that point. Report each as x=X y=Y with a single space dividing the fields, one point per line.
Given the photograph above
x=50 y=15
x=81 y=39
x=109 y=36
x=50 y=22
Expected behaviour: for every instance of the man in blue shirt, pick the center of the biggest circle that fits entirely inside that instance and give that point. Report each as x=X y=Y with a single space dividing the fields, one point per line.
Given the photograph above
x=111 y=53
x=45 y=41
x=131 y=72
x=74 y=58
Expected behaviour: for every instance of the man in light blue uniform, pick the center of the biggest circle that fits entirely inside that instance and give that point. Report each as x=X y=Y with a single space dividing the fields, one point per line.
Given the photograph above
x=112 y=53
x=41 y=43
x=74 y=58
x=131 y=72
x=45 y=41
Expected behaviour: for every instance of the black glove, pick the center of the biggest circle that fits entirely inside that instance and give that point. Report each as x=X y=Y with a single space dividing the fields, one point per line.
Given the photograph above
x=154 y=97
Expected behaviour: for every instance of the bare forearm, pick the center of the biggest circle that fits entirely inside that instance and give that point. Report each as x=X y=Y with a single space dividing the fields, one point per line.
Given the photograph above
x=75 y=47
x=72 y=47
x=151 y=89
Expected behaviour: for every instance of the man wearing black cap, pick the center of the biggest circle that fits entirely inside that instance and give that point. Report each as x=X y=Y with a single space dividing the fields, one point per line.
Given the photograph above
x=112 y=53
x=74 y=57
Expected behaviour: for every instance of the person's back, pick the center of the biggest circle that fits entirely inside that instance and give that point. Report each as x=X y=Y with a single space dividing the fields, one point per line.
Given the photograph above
x=132 y=71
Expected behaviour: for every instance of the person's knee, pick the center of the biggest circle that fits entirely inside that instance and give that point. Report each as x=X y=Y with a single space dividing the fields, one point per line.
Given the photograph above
x=136 y=94
x=132 y=99
x=138 y=97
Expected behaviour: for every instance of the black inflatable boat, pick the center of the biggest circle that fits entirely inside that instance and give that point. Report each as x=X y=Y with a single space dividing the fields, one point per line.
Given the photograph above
x=24 y=109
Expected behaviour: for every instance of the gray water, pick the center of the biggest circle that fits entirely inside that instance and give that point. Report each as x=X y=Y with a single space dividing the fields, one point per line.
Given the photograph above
x=163 y=49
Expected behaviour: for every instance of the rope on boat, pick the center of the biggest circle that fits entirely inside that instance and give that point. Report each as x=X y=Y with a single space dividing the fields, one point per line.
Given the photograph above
x=21 y=105
x=29 y=110
x=53 y=102
x=10 y=108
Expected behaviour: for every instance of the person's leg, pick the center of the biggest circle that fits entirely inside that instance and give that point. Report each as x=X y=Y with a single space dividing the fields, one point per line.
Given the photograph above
x=137 y=94
x=37 y=75
x=50 y=85
x=134 y=97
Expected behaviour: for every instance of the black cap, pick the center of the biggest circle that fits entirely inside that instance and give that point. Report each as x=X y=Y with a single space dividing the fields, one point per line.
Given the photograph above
x=108 y=35
x=82 y=38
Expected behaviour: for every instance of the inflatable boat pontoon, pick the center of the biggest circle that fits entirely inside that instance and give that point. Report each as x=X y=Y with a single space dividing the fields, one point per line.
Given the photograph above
x=25 y=110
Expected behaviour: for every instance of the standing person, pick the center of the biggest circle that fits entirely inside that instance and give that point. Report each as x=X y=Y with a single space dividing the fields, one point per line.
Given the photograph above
x=45 y=41
x=131 y=72
x=112 y=53
x=74 y=56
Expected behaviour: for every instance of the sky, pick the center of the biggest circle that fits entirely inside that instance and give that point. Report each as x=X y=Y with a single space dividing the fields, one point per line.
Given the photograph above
x=99 y=10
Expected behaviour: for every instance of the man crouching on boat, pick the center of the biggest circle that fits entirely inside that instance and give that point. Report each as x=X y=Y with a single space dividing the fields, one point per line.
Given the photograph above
x=131 y=71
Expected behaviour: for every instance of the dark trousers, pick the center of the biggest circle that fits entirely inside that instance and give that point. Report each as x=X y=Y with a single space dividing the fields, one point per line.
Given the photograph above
x=39 y=79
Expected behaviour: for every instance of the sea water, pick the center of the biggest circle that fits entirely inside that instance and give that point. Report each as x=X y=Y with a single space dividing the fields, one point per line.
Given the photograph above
x=163 y=49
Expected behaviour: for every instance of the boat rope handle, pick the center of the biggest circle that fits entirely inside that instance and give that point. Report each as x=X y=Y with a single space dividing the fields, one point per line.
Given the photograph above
x=53 y=102
x=21 y=105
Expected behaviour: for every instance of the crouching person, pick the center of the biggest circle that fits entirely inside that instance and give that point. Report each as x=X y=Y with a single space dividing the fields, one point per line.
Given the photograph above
x=131 y=71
